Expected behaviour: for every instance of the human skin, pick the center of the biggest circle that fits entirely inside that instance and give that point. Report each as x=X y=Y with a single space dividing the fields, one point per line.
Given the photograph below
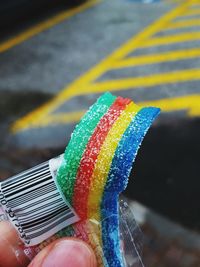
x=64 y=252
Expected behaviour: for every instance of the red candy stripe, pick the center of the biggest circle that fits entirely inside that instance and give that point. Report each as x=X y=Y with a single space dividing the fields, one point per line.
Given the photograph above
x=87 y=163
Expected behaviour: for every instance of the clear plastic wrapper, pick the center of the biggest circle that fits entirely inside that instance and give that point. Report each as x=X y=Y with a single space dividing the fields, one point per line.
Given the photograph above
x=131 y=237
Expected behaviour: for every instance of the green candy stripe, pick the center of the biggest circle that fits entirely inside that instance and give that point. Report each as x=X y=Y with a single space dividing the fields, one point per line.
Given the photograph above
x=66 y=175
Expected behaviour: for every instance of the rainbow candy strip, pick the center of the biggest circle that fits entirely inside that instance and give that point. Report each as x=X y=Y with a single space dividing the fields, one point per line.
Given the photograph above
x=97 y=163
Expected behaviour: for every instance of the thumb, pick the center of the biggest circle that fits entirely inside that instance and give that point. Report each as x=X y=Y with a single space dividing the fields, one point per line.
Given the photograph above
x=65 y=253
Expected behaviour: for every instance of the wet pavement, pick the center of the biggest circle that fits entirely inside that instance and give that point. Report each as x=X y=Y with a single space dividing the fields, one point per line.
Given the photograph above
x=55 y=65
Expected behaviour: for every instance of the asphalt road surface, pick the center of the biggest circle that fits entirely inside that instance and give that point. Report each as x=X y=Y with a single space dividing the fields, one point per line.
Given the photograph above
x=53 y=69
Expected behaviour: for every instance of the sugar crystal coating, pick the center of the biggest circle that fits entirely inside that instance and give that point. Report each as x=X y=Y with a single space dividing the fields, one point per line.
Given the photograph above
x=96 y=167
x=118 y=179
x=95 y=170
x=89 y=158
x=79 y=138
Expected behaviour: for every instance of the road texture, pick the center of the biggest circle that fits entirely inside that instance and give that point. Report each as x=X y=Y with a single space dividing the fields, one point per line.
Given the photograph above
x=52 y=70
x=109 y=46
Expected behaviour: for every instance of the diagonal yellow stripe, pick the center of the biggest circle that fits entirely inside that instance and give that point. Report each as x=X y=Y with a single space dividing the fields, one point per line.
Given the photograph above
x=174 y=38
x=192 y=12
x=183 y=24
x=190 y=103
x=157 y=58
x=104 y=160
x=45 y=25
x=60 y=118
x=144 y=81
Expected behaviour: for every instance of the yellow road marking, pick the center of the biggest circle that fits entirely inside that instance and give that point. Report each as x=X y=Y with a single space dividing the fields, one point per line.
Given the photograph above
x=157 y=58
x=84 y=84
x=45 y=25
x=192 y=12
x=170 y=39
x=63 y=118
x=183 y=24
x=189 y=103
x=144 y=81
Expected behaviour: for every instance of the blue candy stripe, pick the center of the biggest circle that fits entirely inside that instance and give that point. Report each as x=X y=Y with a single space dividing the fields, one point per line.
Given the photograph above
x=117 y=182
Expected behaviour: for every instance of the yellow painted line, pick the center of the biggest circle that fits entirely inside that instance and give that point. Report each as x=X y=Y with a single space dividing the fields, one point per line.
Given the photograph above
x=145 y=81
x=189 y=103
x=83 y=84
x=157 y=58
x=54 y=119
x=183 y=24
x=192 y=12
x=46 y=25
x=62 y=118
x=170 y=39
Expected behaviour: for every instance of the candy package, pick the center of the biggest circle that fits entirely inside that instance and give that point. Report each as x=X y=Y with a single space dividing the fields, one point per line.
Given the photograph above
x=77 y=193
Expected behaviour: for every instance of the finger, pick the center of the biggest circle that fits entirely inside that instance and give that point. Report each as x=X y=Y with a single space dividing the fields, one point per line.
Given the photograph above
x=10 y=253
x=65 y=253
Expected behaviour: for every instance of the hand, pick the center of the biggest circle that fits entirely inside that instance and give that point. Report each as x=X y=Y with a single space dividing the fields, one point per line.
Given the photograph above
x=65 y=252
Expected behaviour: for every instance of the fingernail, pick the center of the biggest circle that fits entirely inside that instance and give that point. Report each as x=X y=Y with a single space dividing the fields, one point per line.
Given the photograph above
x=71 y=253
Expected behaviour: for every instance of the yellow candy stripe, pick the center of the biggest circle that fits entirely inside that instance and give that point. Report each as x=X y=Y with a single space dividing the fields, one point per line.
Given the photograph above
x=95 y=242
x=104 y=161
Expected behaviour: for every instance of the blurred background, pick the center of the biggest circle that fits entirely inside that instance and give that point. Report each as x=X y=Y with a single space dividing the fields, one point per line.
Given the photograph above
x=57 y=58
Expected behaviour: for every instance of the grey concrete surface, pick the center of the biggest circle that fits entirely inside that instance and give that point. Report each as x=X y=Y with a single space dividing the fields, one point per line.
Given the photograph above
x=54 y=58
x=49 y=61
